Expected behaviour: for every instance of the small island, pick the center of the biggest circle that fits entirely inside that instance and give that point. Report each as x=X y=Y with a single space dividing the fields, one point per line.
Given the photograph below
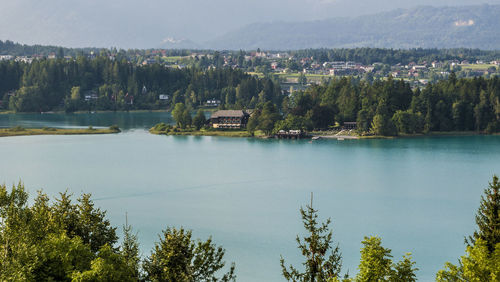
x=21 y=131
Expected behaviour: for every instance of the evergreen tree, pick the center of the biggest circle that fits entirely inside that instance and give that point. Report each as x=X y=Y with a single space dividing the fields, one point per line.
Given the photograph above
x=488 y=217
x=482 y=261
x=130 y=250
x=319 y=266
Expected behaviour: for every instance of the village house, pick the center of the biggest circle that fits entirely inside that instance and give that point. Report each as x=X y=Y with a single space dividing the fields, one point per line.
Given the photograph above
x=212 y=103
x=233 y=119
x=91 y=96
x=6 y=57
x=437 y=64
x=349 y=125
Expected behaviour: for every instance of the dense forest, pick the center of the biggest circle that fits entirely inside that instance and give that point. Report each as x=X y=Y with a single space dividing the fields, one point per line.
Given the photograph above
x=64 y=240
x=390 y=107
x=103 y=83
x=8 y=47
x=368 y=56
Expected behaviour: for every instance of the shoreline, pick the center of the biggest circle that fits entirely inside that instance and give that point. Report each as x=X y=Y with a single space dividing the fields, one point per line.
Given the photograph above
x=82 y=112
x=239 y=133
x=7 y=112
x=18 y=131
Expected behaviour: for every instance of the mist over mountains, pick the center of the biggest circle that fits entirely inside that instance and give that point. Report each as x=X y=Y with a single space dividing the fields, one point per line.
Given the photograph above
x=426 y=27
x=173 y=25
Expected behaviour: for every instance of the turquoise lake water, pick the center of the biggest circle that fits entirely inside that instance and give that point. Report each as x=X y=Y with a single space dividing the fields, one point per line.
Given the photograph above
x=418 y=194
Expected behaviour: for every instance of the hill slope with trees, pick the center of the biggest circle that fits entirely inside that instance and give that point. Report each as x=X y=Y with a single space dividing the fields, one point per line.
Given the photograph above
x=425 y=27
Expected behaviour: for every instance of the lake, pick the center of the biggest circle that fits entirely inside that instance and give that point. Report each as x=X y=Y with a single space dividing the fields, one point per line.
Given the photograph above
x=418 y=194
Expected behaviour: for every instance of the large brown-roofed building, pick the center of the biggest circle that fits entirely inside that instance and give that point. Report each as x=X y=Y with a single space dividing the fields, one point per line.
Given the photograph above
x=229 y=119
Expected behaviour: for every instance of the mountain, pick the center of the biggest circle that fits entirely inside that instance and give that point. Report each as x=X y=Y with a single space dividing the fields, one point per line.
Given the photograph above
x=426 y=27
x=174 y=43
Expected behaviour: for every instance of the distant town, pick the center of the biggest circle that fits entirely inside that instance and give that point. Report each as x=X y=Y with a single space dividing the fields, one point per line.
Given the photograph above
x=304 y=67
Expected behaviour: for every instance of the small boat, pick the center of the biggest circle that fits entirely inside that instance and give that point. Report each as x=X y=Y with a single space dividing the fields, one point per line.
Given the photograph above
x=341 y=139
x=316 y=138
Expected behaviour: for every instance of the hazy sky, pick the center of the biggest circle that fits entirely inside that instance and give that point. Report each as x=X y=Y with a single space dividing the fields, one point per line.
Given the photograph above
x=145 y=23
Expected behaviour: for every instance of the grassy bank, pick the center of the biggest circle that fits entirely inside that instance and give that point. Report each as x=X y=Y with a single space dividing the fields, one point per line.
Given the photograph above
x=164 y=129
x=239 y=133
x=20 y=131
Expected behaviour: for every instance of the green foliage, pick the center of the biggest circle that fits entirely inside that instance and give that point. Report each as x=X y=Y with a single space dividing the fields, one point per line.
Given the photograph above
x=199 y=120
x=101 y=83
x=108 y=266
x=477 y=265
x=182 y=115
x=49 y=241
x=75 y=93
x=115 y=128
x=28 y=99
x=292 y=122
x=408 y=122
x=389 y=107
x=302 y=79
x=178 y=258
x=17 y=128
x=482 y=261
x=161 y=127
x=405 y=270
x=130 y=251
x=253 y=122
x=63 y=241
x=376 y=263
x=268 y=117
x=45 y=128
x=315 y=248
x=488 y=216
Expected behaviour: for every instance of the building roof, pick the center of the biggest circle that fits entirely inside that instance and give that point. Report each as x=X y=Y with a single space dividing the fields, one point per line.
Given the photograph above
x=229 y=113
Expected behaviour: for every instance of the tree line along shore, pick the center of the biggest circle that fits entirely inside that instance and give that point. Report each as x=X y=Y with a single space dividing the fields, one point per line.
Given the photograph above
x=382 y=107
x=65 y=240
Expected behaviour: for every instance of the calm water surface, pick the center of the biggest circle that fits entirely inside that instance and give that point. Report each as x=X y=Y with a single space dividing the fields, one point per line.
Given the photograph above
x=419 y=195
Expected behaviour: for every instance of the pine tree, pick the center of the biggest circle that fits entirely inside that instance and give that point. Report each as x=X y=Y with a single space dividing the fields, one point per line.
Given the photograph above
x=318 y=267
x=130 y=249
x=488 y=217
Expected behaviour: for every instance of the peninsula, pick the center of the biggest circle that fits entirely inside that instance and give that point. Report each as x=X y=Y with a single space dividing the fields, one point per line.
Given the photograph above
x=21 y=131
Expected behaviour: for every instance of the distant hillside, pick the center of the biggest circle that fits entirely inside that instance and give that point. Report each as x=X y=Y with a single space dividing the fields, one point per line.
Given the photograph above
x=426 y=27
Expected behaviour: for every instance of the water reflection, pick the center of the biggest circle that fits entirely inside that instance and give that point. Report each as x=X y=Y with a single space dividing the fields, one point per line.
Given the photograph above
x=124 y=120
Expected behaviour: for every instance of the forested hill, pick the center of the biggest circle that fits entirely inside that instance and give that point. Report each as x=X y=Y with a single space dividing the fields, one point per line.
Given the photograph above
x=426 y=27
x=105 y=84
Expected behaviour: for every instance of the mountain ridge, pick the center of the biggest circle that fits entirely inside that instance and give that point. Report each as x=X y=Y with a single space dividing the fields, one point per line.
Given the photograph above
x=473 y=26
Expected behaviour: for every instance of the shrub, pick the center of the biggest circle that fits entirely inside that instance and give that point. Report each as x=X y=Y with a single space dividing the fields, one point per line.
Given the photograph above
x=114 y=127
x=18 y=128
x=161 y=127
